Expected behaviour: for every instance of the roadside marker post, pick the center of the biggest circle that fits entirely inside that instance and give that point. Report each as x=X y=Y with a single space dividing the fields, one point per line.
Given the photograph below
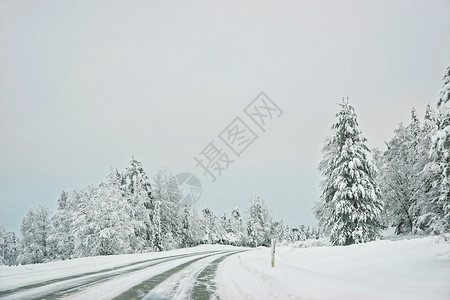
x=272 y=247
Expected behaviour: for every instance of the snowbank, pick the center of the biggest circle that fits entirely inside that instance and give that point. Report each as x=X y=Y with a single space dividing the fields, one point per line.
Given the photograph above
x=311 y=243
x=406 y=269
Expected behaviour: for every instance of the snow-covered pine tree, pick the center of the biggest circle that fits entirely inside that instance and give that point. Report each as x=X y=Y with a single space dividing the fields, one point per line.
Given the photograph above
x=350 y=204
x=136 y=180
x=429 y=118
x=157 y=234
x=440 y=151
x=138 y=192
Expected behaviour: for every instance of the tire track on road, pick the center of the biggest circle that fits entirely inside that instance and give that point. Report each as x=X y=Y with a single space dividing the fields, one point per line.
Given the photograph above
x=141 y=290
x=204 y=287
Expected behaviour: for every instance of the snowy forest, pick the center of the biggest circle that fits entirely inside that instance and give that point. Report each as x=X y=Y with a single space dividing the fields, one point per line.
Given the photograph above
x=130 y=214
x=405 y=186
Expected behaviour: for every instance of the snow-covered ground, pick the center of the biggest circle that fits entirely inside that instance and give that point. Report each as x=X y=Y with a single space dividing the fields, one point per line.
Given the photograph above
x=405 y=269
x=417 y=268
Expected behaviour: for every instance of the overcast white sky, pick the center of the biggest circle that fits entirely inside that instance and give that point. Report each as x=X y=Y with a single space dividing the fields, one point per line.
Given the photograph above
x=84 y=85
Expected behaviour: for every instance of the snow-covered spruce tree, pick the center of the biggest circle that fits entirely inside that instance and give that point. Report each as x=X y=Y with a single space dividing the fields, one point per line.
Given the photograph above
x=440 y=152
x=137 y=191
x=350 y=205
x=157 y=234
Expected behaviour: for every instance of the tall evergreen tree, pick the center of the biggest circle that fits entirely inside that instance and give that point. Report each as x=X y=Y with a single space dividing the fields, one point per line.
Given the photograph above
x=157 y=233
x=350 y=204
x=138 y=192
x=440 y=151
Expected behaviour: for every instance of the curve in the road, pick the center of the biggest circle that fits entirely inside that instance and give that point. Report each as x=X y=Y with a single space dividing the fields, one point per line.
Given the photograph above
x=87 y=279
x=168 y=285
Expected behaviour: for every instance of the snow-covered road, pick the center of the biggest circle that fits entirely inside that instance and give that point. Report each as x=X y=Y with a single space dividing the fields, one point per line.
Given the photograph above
x=169 y=275
x=417 y=268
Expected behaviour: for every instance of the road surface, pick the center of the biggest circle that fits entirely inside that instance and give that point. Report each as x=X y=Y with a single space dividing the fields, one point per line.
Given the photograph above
x=182 y=276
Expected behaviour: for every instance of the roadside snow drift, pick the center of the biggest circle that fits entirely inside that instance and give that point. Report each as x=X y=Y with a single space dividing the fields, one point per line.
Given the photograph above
x=407 y=269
